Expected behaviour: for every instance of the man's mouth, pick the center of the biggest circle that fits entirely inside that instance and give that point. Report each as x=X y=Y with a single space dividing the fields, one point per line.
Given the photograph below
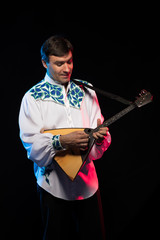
x=66 y=75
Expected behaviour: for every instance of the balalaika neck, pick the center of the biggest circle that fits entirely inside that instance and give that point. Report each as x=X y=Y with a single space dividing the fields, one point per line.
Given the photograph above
x=119 y=115
x=116 y=117
x=105 y=124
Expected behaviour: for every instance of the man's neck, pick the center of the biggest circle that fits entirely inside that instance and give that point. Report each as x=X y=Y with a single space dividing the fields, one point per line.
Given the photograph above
x=66 y=85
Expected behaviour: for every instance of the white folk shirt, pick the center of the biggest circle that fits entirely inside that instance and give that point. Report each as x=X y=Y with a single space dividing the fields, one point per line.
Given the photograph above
x=47 y=106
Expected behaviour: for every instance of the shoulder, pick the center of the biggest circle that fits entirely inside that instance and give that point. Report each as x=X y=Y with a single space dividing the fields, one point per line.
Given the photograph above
x=87 y=87
x=33 y=94
x=37 y=91
x=45 y=91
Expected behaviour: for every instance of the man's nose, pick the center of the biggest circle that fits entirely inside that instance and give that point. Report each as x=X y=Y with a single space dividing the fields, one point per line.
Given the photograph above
x=66 y=67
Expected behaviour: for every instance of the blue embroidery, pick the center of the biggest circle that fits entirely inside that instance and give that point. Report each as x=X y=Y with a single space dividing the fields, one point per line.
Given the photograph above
x=47 y=91
x=56 y=142
x=75 y=95
x=46 y=172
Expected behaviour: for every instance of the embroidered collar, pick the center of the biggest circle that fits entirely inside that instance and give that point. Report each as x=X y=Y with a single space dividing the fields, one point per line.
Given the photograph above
x=47 y=91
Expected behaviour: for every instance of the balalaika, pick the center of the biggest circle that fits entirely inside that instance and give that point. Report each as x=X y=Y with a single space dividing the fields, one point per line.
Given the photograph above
x=72 y=160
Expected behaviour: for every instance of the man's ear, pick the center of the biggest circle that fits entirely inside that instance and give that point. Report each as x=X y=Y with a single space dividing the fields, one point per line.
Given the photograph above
x=44 y=64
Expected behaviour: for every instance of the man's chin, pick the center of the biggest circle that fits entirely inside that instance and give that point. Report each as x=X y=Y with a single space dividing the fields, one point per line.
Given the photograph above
x=64 y=80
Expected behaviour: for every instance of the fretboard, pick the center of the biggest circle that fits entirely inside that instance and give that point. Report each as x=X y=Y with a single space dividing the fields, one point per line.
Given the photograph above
x=116 y=117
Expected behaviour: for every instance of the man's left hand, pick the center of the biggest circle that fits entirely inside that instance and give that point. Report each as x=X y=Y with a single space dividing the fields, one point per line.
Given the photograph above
x=99 y=135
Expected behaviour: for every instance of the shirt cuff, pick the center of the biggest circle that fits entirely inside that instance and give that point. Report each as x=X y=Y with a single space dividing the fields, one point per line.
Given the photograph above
x=100 y=143
x=56 y=142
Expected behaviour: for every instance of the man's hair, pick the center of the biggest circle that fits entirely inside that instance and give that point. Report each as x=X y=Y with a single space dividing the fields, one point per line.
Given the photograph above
x=57 y=46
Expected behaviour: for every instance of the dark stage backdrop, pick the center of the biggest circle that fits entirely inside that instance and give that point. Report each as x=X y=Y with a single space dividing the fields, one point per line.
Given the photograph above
x=116 y=49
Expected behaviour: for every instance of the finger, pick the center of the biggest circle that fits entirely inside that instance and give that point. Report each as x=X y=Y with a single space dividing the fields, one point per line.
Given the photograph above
x=103 y=130
x=42 y=130
x=98 y=122
x=83 y=134
x=83 y=147
x=96 y=135
x=100 y=135
x=83 y=141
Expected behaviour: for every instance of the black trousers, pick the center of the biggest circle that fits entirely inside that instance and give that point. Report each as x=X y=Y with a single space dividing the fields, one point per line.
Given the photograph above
x=78 y=220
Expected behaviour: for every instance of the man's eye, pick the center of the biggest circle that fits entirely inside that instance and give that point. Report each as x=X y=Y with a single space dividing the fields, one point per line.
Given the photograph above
x=70 y=61
x=59 y=64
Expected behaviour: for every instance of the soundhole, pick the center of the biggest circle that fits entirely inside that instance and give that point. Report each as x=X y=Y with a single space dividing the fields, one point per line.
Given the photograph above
x=88 y=130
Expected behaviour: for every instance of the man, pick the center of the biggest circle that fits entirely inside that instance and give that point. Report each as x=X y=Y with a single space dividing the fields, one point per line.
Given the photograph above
x=57 y=102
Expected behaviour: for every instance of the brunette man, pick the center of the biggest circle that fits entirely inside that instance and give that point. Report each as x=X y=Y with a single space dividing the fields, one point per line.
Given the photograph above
x=68 y=207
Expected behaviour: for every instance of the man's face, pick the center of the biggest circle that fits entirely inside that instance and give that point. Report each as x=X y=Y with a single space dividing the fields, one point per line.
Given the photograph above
x=60 y=68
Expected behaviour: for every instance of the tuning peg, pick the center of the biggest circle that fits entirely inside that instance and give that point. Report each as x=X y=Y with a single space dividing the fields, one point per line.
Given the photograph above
x=143 y=92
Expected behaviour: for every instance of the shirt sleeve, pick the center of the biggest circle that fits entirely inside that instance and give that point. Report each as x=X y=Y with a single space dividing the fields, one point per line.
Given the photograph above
x=40 y=146
x=95 y=113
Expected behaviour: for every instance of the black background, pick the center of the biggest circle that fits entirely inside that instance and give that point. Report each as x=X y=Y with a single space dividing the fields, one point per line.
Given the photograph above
x=116 y=48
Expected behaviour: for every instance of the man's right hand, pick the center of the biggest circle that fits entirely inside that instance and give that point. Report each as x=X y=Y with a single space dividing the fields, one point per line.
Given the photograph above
x=77 y=139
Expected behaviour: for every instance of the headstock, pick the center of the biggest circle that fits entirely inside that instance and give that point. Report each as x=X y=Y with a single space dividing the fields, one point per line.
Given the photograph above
x=145 y=98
